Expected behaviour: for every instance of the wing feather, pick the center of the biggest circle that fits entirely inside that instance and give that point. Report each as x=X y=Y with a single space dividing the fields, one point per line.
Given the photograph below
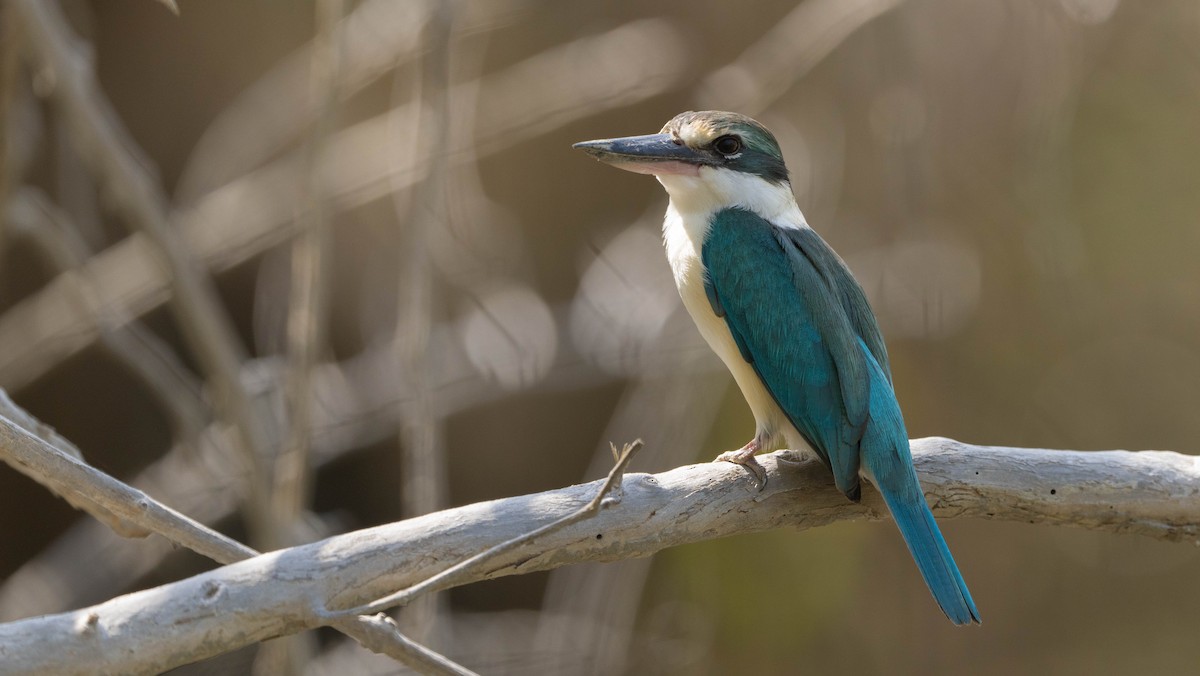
x=798 y=317
x=849 y=292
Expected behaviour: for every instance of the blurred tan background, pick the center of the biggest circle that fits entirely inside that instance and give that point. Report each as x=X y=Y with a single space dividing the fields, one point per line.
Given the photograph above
x=1016 y=184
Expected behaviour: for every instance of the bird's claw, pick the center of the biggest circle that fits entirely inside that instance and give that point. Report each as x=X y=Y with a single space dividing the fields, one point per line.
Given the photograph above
x=745 y=458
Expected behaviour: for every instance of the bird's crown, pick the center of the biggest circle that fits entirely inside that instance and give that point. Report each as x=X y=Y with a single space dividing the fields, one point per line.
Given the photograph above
x=733 y=140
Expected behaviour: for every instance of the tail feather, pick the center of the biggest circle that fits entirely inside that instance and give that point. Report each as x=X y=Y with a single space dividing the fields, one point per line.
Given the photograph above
x=933 y=558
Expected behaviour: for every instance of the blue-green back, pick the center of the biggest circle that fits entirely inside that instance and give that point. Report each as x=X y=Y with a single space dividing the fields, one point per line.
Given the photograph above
x=803 y=323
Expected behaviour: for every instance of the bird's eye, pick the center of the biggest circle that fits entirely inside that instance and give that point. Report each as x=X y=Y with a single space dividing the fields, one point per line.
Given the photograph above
x=727 y=145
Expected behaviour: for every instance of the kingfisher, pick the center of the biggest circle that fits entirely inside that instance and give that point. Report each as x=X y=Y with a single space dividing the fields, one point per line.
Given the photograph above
x=785 y=315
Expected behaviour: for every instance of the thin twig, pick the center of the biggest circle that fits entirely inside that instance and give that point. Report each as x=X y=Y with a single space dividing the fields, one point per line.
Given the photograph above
x=306 y=332
x=292 y=476
x=421 y=443
x=385 y=637
x=422 y=461
x=678 y=411
x=469 y=569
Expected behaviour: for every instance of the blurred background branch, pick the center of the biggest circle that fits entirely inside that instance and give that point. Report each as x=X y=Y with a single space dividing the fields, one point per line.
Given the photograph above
x=105 y=146
x=307 y=317
x=390 y=254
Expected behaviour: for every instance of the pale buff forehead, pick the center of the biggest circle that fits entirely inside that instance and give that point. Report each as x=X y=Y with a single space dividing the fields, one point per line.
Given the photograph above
x=695 y=132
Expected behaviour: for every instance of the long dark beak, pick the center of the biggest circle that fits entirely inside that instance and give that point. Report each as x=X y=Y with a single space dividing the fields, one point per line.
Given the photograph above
x=649 y=154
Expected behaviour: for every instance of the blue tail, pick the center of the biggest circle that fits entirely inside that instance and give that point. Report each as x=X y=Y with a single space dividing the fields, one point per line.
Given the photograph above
x=887 y=460
x=929 y=550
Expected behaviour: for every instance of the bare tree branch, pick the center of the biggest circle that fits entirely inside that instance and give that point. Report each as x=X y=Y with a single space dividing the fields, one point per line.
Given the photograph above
x=425 y=483
x=105 y=145
x=1150 y=493
x=34 y=450
x=47 y=458
x=307 y=307
x=628 y=64
x=609 y=494
x=146 y=355
x=677 y=413
x=9 y=67
x=291 y=477
x=802 y=39
x=171 y=5
x=356 y=403
x=271 y=113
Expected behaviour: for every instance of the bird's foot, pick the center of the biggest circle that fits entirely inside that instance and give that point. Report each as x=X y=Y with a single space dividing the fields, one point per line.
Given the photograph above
x=744 y=456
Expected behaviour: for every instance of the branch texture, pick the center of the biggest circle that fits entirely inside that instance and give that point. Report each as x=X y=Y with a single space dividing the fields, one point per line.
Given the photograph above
x=1150 y=493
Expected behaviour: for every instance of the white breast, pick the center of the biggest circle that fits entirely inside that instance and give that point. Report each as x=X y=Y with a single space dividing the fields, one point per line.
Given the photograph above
x=693 y=202
x=683 y=252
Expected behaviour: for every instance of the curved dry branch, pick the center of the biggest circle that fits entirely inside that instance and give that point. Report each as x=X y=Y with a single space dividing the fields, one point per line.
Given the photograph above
x=55 y=463
x=1150 y=493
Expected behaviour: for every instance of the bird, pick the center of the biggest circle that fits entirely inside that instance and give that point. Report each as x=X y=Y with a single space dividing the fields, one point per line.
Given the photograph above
x=784 y=313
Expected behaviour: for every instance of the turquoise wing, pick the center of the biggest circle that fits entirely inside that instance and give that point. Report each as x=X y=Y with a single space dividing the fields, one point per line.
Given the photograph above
x=804 y=324
x=799 y=319
x=846 y=289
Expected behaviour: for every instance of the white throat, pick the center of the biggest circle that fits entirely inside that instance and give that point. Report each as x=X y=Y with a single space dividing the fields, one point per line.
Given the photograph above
x=694 y=199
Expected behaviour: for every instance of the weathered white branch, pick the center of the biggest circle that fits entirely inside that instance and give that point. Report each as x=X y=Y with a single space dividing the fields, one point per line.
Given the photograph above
x=1149 y=493
x=57 y=465
x=356 y=403
x=609 y=494
x=129 y=510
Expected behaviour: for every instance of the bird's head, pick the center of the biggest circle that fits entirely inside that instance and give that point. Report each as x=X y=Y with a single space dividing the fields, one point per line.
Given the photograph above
x=711 y=156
